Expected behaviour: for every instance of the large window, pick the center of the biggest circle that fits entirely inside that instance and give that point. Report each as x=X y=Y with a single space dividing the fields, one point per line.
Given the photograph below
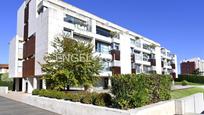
x=102 y=47
x=146 y=69
x=146 y=57
x=146 y=46
x=80 y=24
x=138 y=68
x=102 y=31
x=105 y=66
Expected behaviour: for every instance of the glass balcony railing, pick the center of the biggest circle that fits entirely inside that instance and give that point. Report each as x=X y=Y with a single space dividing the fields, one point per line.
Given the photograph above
x=138 y=57
x=78 y=23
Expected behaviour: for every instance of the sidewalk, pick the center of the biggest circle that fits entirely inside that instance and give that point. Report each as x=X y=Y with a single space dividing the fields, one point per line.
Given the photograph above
x=12 y=107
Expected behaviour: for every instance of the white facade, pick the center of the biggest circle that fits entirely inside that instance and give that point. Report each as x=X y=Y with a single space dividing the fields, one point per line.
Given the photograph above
x=51 y=18
x=15 y=57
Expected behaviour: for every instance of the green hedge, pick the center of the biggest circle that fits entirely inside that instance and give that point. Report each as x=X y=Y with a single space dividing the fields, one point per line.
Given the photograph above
x=191 y=78
x=9 y=84
x=102 y=99
x=133 y=91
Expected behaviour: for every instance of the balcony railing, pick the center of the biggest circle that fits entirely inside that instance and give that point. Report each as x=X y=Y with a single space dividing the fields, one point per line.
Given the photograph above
x=138 y=57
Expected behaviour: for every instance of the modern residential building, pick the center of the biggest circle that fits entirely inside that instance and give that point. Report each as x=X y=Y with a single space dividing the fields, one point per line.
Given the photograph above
x=191 y=65
x=16 y=60
x=122 y=51
x=4 y=68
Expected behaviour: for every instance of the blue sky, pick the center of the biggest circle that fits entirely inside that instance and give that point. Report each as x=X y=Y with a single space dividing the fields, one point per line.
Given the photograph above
x=176 y=24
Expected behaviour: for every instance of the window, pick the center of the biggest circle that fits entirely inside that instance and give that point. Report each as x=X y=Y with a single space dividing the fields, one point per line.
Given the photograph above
x=19 y=69
x=146 y=46
x=105 y=66
x=67 y=32
x=138 y=68
x=146 y=69
x=132 y=41
x=146 y=57
x=115 y=46
x=102 y=31
x=102 y=47
x=138 y=43
x=80 y=24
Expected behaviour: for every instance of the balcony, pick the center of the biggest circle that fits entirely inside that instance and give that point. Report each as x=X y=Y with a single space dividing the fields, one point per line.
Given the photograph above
x=153 y=62
x=173 y=66
x=138 y=57
x=115 y=63
x=103 y=55
x=29 y=67
x=105 y=73
x=29 y=47
x=115 y=40
x=115 y=54
x=132 y=58
x=153 y=68
x=116 y=70
x=78 y=23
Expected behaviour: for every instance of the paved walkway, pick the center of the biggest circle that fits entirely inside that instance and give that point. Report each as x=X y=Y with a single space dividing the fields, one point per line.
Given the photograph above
x=176 y=87
x=11 y=107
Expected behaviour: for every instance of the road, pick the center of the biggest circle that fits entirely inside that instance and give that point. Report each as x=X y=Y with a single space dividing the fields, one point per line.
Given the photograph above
x=10 y=107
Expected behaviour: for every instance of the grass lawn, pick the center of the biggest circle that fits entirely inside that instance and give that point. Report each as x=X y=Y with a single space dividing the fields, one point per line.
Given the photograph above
x=189 y=83
x=176 y=94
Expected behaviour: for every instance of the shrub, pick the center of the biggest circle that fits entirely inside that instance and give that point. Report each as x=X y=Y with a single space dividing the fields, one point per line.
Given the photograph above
x=184 y=83
x=57 y=94
x=77 y=97
x=89 y=98
x=138 y=90
x=191 y=78
x=9 y=84
x=87 y=86
x=103 y=99
x=35 y=92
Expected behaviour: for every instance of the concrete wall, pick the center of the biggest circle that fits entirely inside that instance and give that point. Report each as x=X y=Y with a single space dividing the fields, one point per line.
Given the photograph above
x=162 y=108
x=191 y=104
x=3 y=90
x=71 y=108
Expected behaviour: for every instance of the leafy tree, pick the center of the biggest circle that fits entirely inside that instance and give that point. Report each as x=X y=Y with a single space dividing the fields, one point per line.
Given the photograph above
x=196 y=71
x=70 y=64
x=5 y=77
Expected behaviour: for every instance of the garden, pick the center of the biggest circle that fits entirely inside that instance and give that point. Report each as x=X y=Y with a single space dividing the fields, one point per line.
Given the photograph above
x=128 y=91
x=72 y=64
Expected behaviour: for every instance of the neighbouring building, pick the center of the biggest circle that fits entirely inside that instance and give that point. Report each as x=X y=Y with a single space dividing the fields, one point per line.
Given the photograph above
x=123 y=51
x=4 y=68
x=191 y=65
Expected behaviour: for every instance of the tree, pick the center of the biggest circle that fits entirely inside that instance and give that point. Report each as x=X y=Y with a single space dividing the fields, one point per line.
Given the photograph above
x=70 y=64
x=5 y=77
x=196 y=71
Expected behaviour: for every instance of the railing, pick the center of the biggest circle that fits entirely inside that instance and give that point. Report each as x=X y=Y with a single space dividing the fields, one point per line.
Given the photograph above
x=138 y=57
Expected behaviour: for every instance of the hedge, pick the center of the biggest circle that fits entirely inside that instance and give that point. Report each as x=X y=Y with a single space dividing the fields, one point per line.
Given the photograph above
x=9 y=84
x=133 y=90
x=102 y=99
x=191 y=78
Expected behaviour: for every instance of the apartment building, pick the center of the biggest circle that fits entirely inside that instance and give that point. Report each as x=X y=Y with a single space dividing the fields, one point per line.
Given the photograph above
x=4 y=68
x=122 y=51
x=191 y=65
